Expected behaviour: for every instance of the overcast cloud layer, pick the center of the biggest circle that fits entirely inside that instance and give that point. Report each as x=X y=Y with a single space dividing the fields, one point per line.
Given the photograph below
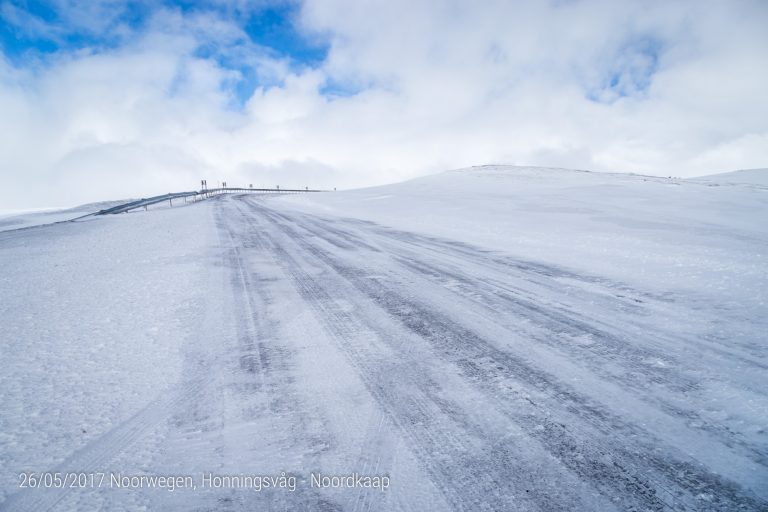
x=398 y=88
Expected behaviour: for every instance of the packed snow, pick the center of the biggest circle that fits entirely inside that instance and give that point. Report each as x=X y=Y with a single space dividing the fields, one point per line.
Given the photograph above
x=493 y=338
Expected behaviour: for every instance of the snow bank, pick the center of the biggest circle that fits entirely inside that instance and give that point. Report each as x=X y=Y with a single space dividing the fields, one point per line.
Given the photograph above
x=18 y=219
x=95 y=317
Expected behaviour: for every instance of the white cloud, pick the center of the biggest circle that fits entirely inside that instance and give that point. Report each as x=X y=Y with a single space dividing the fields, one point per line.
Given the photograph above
x=667 y=88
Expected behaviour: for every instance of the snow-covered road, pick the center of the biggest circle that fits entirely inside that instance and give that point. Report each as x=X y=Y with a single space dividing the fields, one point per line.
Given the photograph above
x=514 y=386
x=470 y=378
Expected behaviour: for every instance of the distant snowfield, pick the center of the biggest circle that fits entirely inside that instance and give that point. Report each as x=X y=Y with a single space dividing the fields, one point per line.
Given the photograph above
x=10 y=219
x=744 y=177
x=493 y=337
x=28 y=218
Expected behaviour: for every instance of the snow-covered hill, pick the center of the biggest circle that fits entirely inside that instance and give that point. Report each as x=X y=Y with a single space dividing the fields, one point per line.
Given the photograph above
x=745 y=177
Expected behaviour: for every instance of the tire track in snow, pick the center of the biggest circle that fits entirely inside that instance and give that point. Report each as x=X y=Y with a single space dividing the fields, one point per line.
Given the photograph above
x=505 y=305
x=266 y=388
x=246 y=237
x=471 y=473
x=645 y=480
x=97 y=455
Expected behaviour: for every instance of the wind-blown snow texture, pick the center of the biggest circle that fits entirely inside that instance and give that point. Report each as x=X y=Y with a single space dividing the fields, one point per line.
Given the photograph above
x=492 y=339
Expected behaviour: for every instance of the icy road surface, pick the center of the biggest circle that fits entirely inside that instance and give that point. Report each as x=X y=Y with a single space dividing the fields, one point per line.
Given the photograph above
x=286 y=341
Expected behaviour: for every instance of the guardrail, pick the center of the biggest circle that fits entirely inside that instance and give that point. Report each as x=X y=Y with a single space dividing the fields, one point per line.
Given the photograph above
x=196 y=195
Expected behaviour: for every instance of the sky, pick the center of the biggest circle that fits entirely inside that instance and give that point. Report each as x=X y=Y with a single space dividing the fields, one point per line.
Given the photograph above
x=108 y=99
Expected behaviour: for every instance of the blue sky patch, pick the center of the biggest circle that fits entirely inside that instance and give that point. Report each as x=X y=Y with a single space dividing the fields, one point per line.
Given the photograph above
x=631 y=71
x=336 y=89
x=275 y=28
x=33 y=29
x=39 y=28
